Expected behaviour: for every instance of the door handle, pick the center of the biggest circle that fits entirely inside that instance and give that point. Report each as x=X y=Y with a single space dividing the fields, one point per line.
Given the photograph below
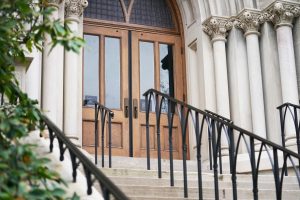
x=135 y=108
x=126 y=107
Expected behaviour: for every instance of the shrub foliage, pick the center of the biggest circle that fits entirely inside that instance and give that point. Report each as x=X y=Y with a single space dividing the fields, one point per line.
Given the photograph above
x=23 y=27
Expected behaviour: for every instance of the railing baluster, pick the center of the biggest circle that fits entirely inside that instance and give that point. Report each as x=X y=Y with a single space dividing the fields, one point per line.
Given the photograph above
x=103 y=116
x=219 y=146
x=170 y=127
x=232 y=162
x=96 y=132
x=51 y=137
x=276 y=174
x=158 y=112
x=198 y=133
x=215 y=158
x=111 y=115
x=183 y=123
x=147 y=106
x=210 y=148
x=253 y=168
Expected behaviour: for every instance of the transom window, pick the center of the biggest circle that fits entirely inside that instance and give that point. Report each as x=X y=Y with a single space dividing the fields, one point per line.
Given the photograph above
x=155 y=13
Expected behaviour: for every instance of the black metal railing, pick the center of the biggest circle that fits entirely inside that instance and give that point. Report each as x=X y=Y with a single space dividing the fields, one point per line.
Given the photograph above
x=92 y=173
x=290 y=121
x=216 y=127
x=106 y=115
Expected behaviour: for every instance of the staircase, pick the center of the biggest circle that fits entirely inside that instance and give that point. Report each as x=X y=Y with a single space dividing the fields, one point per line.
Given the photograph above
x=130 y=175
x=240 y=165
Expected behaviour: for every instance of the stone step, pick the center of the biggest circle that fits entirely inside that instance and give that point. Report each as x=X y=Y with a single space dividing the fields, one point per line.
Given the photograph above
x=194 y=183
x=141 y=163
x=178 y=175
x=225 y=193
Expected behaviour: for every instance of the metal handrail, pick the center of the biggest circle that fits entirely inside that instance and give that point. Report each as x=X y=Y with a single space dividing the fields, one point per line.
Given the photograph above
x=289 y=116
x=92 y=173
x=105 y=113
x=216 y=127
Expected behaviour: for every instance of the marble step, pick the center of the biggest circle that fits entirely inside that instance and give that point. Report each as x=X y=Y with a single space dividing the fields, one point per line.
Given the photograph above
x=178 y=175
x=225 y=193
x=194 y=183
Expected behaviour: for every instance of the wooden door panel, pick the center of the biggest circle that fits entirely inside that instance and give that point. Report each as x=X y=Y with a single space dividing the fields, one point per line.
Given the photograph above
x=139 y=124
x=119 y=122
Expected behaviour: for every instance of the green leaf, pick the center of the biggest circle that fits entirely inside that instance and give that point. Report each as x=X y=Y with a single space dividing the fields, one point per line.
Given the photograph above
x=57 y=192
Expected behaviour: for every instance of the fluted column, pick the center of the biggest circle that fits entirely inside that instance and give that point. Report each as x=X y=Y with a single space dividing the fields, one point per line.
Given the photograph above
x=73 y=12
x=249 y=21
x=50 y=68
x=282 y=14
x=216 y=28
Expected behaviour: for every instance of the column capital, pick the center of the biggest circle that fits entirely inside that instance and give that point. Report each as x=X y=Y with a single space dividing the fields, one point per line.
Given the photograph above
x=249 y=21
x=53 y=3
x=217 y=27
x=282 y=13
x=74 y=8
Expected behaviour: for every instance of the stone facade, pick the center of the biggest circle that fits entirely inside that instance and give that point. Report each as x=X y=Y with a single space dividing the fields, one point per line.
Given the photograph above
x=266 y=59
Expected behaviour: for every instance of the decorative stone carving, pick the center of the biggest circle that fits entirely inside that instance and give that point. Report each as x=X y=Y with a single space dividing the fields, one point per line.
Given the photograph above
x=217 y=27
x=74 y=8
x=282 y=13
x=249 y=21
x=54 y=3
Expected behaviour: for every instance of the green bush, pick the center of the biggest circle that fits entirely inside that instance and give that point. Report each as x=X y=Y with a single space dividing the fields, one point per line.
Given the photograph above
x=23 y=26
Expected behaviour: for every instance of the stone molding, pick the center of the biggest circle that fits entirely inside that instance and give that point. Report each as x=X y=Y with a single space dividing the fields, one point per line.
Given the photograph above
x=74 y=8
x=217 y=27
x=249 y=21
x=53 y=3
x=281 y=13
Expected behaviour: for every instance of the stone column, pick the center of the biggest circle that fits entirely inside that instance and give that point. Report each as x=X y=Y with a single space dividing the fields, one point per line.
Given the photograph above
x=249 y=21
x=216 y=28
x=73 y=12
x=282 y=13
x=50 y=68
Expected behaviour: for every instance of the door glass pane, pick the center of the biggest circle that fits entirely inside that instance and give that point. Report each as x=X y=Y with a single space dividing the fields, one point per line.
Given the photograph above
x=112 y=73
x=91 y=70
x=146 y=70
x=166 y=71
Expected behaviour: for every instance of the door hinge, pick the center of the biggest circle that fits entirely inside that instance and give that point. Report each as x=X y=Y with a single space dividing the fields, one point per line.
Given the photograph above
x=184 y=98
x=181 y=50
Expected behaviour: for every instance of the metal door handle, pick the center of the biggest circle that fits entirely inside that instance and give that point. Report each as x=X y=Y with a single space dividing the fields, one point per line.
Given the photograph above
x=126 y=107
x=135 y=108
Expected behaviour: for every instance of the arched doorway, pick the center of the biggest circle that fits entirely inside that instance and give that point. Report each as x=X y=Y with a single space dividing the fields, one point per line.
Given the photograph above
x=132 y=46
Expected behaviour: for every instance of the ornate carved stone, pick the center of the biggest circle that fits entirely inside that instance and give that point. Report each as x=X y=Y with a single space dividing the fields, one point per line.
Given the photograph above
x=74 y=8
x=282 y=13
x=217 y=27
x=249 y=21
x=54 y=3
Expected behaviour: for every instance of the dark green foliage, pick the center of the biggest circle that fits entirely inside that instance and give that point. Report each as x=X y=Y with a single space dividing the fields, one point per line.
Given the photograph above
x=23 y=26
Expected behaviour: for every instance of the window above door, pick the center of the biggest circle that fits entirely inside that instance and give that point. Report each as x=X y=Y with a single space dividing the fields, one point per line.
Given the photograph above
x=151 y=13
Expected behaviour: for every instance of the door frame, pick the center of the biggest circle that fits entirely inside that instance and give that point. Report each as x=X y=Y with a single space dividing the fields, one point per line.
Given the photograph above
x=91 y=26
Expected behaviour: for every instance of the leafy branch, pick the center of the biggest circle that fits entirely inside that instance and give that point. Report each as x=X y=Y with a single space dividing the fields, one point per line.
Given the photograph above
x=24 y=25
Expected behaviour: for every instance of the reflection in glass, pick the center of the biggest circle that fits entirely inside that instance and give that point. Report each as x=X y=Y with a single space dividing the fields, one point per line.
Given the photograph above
x=166 y=71
x=146 y=70
x=112 y=73
x=91 y=70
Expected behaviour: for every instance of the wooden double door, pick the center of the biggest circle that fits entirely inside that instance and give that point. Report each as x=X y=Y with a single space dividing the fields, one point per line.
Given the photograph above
x=119 y=66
